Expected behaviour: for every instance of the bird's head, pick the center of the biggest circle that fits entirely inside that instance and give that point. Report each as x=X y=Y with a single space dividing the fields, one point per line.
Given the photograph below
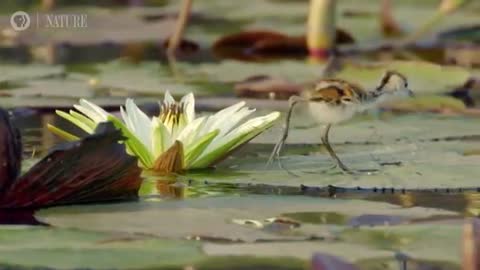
x=394 y=84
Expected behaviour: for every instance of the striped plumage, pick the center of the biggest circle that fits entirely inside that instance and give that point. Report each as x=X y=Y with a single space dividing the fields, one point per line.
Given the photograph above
x=334 y=100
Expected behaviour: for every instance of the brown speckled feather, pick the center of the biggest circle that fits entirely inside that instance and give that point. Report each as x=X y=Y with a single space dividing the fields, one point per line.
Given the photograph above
x=334 y=91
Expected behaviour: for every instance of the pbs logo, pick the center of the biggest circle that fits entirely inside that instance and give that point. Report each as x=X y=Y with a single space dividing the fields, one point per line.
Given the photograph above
x=20 y=21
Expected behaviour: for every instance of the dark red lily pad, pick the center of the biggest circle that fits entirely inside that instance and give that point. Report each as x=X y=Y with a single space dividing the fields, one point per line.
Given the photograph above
x=186 y=46
x=10 y=152
x=259 y=45
x=93 y=169
x=263 y=86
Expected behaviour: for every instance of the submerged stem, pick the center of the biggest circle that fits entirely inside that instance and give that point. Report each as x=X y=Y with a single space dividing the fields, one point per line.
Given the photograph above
x=182 y=21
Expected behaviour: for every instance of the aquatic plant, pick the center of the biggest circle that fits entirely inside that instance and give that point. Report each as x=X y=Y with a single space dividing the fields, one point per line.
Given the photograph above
x=93 y=169
x=176 y=139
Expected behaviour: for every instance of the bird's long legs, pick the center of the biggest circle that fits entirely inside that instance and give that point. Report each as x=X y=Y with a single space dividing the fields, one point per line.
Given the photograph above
x=332 y=153
x=292 y=101
x=336 y=159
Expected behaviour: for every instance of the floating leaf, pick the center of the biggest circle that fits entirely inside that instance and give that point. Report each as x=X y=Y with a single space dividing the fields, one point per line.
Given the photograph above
x=257 y=45
x=93 y=169
x=20 y=73
x=147 y=78
x=423 y=77
x=420 y=156
x=439 y=104
x=75 y=249
x=10 y=152
x=234 y=71
x=267 y=87
x=212 y=217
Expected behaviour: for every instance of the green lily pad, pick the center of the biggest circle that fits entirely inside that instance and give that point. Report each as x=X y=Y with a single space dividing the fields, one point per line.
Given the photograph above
x=141 y=79
x=69 y=249
x=145 y=79
x=303 y=250
x=63 y=88
x=21 y=73
x=423 y=77
x=428 y=103
x=424 y=242
x=250 y=262
x=383 y=129
x=65 y=102
x=416 y=241
x=410 y=151
x=234 y=71
x=212 y=217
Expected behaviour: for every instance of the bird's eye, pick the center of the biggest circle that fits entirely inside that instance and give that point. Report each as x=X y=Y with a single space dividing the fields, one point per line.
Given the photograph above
x=406 y=85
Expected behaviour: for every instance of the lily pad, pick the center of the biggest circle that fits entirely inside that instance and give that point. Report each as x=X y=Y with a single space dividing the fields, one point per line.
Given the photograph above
x=213 y=217
x=51 y=88
x=21 y=73
x=420 y=156
x=141 y=79
x=66 y=102
x=423 y=77
x=75 y=249
x=303 y=250
x=416 y=241
x=440 y=104
x=235 y=71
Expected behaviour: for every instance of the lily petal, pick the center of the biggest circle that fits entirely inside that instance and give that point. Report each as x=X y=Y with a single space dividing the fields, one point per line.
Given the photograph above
x=218 y=149
x=79 y=123
x=139 y=123
x=236 y=118
x=188 y=134
x=217 y=120
x=87 y=121
x=134 y=145
x=95 y=112
x=188 y=104
x=168 y=99
x=195 y=150
x=161 y=139
x=62 y=133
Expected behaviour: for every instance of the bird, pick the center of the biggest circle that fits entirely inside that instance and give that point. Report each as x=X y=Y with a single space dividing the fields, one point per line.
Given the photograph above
x=333 y=101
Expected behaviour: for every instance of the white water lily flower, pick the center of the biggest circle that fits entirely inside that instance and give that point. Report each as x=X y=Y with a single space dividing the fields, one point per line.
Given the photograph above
x=174 y=140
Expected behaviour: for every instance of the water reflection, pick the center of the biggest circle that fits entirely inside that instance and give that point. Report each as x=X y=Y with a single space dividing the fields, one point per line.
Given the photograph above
x=36 y=138
x=158 y=188
x=465 y=202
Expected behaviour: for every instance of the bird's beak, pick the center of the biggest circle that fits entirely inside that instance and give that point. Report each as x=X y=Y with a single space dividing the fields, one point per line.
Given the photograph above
x=410 y=93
